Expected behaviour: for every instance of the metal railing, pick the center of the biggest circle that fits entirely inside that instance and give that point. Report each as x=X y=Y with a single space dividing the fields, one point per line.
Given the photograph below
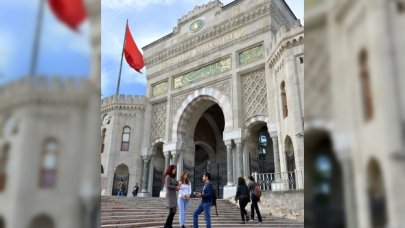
x=293 y=180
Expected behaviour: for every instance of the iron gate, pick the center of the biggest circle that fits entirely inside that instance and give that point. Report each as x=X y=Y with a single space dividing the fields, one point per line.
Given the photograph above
x=217 y=171
x=117 y=178
x=157 y=182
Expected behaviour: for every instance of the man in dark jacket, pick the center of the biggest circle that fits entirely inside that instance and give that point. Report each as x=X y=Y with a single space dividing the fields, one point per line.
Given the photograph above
x=252 y=184
x=206 y=202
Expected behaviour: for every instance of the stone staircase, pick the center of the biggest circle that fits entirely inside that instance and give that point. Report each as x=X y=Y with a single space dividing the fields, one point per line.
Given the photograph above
x=151 y=212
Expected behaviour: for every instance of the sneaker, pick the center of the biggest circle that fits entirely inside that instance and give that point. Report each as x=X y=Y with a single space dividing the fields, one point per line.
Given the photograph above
x=243 y=222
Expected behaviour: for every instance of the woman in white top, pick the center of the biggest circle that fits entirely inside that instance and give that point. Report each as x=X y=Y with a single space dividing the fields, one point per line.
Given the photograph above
x=184 y=198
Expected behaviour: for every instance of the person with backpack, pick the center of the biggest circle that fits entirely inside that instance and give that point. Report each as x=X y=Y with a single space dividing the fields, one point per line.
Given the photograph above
x=206 y=202
x=255 y=196
x=242 y=194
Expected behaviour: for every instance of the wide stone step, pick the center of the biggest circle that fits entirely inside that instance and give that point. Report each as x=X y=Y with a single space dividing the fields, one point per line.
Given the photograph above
x=123 y=212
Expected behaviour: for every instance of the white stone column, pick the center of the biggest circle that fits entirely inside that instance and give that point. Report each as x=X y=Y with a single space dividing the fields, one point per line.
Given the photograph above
x=175 y=155
x=349 y=193
x=144 y=192
x=229 y=164
x=239 y=158
x=167 y=159
x=276 y=153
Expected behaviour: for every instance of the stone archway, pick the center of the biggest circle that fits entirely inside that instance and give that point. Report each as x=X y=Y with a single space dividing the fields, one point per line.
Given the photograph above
x=376 y=195
x=324 y=196
x=197 y=103
x=202 y=118
x=121 y=174
x=42 y=221
x=259 y=146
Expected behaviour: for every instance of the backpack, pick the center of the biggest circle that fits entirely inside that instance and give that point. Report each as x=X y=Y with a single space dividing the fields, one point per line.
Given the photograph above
x=257 y=191
x=214 y=200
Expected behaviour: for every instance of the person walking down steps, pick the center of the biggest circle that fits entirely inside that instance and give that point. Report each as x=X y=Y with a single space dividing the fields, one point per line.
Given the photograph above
x=242 y=194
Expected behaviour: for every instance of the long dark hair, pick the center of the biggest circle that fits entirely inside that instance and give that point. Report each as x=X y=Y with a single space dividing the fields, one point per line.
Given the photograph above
x=169 y=171
x=241 y=181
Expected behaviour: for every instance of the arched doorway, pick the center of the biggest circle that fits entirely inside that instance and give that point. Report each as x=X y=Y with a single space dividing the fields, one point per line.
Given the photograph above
x=323 y=182
x=42 y=221
x=158 y=169
x=209 y=149
x=121 y=174
x=290 y=162
x=376 y=195
x=260 y=147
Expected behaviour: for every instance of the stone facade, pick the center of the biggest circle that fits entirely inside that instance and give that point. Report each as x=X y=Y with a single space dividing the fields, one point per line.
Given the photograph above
x=355 y=119
x=213 y=86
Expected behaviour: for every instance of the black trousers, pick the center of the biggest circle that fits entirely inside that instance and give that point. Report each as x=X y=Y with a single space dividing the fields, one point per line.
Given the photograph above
x=243 y=212
x=169 y=220
x=254 y=207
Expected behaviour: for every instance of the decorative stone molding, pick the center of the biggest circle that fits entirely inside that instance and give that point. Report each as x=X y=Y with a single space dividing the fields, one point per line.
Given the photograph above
x=223 y=86
x=127 y=103
x=284 y=40
x=185 y=110
x=204 y=72
x=232 y=135
x=254 y=94
x=258 y=118
x=223 y=28
x=158 y=127
x=186 y=61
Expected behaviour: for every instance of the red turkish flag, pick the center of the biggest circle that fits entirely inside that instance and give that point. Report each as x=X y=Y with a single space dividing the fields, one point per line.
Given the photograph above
x=132 y=54
x=70 y=12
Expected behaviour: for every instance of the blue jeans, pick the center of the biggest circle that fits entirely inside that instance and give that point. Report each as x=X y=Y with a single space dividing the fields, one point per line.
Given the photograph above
x=120 y=193
x=183 y=208
x=206 y=207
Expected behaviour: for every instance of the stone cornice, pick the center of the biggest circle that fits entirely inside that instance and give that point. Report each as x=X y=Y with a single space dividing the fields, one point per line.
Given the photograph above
x=283 y=41
x=214 y=50
x=125 y=107
x=240 y=20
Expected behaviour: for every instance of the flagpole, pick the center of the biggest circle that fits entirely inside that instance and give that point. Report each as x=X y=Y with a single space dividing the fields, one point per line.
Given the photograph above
x=37 y=37
x=122 y=55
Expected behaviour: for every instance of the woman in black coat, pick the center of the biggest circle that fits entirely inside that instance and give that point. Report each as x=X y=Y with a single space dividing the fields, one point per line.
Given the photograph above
x=242 y=194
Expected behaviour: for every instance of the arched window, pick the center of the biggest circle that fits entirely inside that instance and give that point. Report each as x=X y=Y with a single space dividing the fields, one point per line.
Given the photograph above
x=103 y=139
x=125 y=138
x=365 y=86
x=290 y=160
x=284 y=100
x=48 y=164
x=3 y=165
x=376 y=195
